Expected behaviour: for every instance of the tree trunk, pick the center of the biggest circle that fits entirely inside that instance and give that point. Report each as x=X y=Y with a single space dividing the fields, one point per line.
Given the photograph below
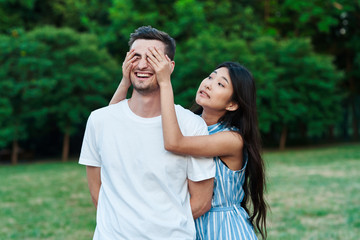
x=266 y=11
x=15 y=151
x=355 y=121
x=283 y=137
x=303 y=129
x=66 y=146
x=349 y=68
x=331 y=133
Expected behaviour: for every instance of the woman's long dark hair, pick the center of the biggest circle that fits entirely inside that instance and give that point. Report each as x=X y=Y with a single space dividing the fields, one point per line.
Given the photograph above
x=245 y=119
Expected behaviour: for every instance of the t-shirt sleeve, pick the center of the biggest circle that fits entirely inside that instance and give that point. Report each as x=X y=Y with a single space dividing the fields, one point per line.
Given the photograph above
x=89 y=154
x=201 y=168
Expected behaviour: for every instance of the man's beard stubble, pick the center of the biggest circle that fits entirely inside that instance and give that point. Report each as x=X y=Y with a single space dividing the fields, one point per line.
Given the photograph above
x=147 y=89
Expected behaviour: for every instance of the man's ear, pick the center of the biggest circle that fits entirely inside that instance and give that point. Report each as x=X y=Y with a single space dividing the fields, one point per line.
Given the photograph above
x=233 y=106
x=172 y=63
x=172 y=66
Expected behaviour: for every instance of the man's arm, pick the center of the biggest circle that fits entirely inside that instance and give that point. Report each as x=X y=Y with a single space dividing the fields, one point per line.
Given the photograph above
x=94 y=182
x=200 y=196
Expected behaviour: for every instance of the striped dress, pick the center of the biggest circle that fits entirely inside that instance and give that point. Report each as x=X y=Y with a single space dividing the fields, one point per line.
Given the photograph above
x=226 y=220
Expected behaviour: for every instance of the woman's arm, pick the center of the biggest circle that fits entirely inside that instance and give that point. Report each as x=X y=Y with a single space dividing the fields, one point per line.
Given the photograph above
x=121 y=91
x=220 y=144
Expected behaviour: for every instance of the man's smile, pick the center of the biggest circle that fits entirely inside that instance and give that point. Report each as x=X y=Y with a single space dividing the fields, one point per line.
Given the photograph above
x=143 y=74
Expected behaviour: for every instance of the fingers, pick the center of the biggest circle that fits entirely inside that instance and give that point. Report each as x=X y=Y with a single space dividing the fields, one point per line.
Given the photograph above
x=129 y=59
x=167 y=58
x=153 y=62
x=152 y=58
x=129 y=56
x=157 y=57
x=156 y=53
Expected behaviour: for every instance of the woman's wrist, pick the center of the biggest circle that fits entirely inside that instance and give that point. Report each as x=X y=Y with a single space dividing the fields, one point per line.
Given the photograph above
x=165 y=83
x=125 y=83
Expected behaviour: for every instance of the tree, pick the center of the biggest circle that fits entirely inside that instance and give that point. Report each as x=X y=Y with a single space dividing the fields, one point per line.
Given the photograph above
x=298 y=89
x=85 y=77
x=333 y=27
x=24 y=78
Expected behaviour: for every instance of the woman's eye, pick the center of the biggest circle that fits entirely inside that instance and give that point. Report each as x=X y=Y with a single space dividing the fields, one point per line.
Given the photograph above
x=209 y=77
x=221 y=85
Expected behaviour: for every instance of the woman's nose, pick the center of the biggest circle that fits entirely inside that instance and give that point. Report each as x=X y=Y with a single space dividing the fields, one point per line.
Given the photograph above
x=207 y=85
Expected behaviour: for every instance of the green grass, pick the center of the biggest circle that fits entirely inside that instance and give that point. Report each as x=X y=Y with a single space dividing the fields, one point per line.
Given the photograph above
x=45 y=201
x=313 y=194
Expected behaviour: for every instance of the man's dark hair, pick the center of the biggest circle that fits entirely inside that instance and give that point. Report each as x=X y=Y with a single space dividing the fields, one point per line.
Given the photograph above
x=150 y=33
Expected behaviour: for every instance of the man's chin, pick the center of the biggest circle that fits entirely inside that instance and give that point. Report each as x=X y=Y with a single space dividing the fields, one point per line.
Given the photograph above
x=145 y=89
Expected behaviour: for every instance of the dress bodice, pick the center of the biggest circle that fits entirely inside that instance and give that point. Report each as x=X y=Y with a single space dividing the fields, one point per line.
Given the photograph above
x=228 y=184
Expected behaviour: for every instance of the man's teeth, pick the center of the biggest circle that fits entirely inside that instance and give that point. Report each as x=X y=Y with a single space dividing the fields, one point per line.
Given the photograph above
x=143 y=75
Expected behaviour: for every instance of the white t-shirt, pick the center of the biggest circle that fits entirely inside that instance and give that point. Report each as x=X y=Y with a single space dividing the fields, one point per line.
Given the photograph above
x=144 y=190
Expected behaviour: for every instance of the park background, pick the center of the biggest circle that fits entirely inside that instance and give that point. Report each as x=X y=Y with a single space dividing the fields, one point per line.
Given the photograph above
x=61 y=59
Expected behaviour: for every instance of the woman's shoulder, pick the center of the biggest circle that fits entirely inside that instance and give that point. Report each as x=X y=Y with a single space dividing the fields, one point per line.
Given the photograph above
x=222 y=127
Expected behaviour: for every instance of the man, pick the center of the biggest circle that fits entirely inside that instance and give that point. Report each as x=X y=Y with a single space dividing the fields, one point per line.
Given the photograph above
x=141 y=191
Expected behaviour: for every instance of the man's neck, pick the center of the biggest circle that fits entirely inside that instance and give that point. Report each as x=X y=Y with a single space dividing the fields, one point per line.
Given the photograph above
x=145 y=105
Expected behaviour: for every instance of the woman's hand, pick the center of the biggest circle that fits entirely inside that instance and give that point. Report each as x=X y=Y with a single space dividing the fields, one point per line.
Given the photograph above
x=162 y=65
x=125 y=83
x=126 y=68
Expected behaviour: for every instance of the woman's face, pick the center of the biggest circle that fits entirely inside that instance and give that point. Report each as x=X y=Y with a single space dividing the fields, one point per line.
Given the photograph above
x=215 y=91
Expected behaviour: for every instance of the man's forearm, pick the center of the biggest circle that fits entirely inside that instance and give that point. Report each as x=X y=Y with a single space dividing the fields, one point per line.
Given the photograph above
x=94 y=182
x=199 y=208
x=200 y=196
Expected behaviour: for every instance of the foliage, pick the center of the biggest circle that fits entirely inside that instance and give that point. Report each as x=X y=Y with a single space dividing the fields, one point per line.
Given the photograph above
x=84 y=74
x=296 y=86
x=5 y=116
x=304 y=18
x=55 y=74
x=333 y=27
x=262 y=35
x=204 y=53
x=30 y=14
x=24 y=80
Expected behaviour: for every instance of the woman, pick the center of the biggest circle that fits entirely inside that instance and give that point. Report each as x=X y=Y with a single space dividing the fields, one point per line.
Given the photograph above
x=227 y=100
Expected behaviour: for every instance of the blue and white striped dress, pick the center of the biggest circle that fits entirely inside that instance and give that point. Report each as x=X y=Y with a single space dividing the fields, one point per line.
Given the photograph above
x=226 y=220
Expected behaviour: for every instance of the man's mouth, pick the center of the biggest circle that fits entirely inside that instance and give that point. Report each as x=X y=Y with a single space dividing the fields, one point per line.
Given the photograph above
x=143 y=75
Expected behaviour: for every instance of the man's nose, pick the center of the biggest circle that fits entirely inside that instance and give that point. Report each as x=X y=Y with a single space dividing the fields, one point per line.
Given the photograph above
x=143 y=63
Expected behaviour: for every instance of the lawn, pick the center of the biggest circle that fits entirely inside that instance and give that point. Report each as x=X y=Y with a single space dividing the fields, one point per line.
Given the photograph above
x=313 y=194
